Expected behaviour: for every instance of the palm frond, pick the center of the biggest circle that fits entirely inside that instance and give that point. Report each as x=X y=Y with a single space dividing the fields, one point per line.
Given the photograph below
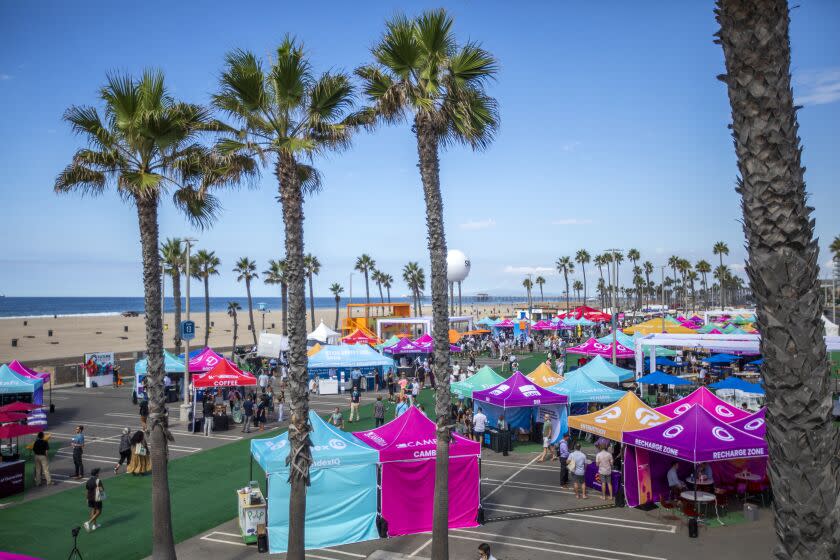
x=86 y=121
x=290 y=74
x=200 y=208
x=472 y=118
x=79 y=177
x=122 y=101
x=434 y=33
x=309 y=178
x=388 y=96
x=472 y=65
x=330 y=97
x=399 y=49
x=242 y=85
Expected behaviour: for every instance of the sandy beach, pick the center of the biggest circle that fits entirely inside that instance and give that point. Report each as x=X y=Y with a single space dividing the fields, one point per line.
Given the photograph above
x=74 y=336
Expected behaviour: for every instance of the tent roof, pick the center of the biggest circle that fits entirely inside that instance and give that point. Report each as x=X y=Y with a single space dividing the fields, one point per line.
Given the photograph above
x=412 y=436
x=753 y=424
x=661 y=378
x=331 y=448
x=664 y=361
x=482 y=379
x=629 y=413
x=322 y=333
x=601 y=370
x=518 y=391
x=722 y=359
x=738 y=384
x=405 y=346
x=594 y=348
x=224 y=374
x=390 y=342
x=359 y=337
x=580 y=388
x=9 y=431
x=21 y=369
x=348 y=356
x=504 y=323
x=697 y=436
x=205 y=360
x=11 y=382
x=655 y=326
x=544 y=376
x=314 y=349
x=622 y=338
x=20 y=407
x=171 y=364
x=708 y=401
x=588 y=313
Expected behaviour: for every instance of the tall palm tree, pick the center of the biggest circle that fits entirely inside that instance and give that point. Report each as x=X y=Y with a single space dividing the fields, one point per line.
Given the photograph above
x=577 y=286
x=608 y=259
x=783 y=258
x=638 y=282
x=366 y=265
x=336 y=289
x=146 y=147
x=673 y=260
x=691 y=276
x=565 y=266
x=720 y=249
x=528 y=284
x=232 y=308
x=647 y=267
x=683 y=266
x=540 y=281
x=287 y=115
x=582 y=258
x=421 y=73
x=633 y=256
x=206 y=265
x=246 y=270
x=387 y=283
x=617 y=259
x=704 y=268
x=415 y=279
x=600 y=262
x=312 y=268
x=172 y=258
x=276 y=275
x=376 y=276
x=835 y=247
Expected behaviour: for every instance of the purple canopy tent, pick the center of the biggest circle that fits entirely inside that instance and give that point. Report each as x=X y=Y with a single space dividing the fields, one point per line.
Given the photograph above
x=405 y=346
x=427 y=345
x=754 y=424
x=523 y=403
x=694 y=437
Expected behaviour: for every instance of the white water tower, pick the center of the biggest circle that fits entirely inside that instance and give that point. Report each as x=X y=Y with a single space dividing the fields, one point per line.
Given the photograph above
x=457 y=270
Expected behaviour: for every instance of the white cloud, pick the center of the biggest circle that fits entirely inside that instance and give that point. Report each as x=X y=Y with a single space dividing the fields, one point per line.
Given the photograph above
x=571 y=222
x=529 y=269
x=817 y=87
x=478 y=224
x=5 y=77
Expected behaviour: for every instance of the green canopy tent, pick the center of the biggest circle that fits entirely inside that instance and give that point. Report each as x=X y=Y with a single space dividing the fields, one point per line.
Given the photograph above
x=390 y=342
x=483 y=379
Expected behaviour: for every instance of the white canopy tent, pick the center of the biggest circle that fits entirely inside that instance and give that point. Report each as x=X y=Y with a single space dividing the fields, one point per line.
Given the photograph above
x=324 y=335
x=270 y=345
x=716 y=342
x=831 y=329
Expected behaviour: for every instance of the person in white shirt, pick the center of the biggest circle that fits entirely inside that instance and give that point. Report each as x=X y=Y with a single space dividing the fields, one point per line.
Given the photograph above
x=604 y=460
x=577 y=467
x=479 y=424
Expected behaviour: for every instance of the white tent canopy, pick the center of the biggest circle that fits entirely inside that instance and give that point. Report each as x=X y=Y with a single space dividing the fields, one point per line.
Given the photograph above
x=831 y=329
x=270 y=345
x=324 y=335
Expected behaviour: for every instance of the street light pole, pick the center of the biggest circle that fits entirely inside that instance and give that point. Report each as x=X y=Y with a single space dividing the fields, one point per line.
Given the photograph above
x=186 y=384
x=662 y=280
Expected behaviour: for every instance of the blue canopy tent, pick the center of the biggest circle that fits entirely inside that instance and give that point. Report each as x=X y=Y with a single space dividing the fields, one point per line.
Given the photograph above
x=171 y=364
x=663 y=361
x=722 y=359
x=582 y=389
x=16 y=387
x=738 y=384
x=757 y=362
x=346 y=357
x=486 y=322
x=662 y=378
x=603 y=371
x=341 y=503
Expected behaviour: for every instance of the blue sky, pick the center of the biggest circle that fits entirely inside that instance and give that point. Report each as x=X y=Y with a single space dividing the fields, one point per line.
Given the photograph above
x=613 y=134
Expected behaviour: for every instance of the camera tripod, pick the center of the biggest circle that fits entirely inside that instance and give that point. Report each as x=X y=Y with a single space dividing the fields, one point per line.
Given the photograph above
x=75 y=554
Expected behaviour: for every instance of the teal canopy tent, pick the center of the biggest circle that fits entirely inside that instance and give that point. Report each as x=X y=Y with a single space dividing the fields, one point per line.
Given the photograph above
x=581 y=388
x=603 y=371
x=483 y=379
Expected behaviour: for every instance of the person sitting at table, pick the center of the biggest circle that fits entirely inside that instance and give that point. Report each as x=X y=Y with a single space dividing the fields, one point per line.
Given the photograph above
x=705 y=474
x=674 y=483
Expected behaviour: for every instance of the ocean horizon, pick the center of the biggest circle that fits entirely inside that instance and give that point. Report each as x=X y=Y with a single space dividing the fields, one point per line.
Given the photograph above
x=29 y=307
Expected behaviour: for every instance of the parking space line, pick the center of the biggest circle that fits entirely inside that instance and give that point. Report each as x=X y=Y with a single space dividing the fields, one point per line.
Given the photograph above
x=420 y=548
x=500 y=486
x=530 y=547
x=517 y=486
x=222 y=541
x=353 y=554
x=518 y=509
x=174 y=432
x=550 y=487
x=515 y=465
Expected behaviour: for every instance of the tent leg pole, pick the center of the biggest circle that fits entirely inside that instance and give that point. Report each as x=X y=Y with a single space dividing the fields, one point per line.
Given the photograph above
x=251 y=469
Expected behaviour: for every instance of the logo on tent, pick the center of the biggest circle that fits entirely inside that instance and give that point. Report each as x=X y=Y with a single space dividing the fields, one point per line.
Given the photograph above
x=610 y=414
x=499 y=390
x=682 y=409
x=418 y=443
x=647 y=417
x=275 y=445
x=722 y=434
x=754 y=424
x=724 y=411
x=673 y=431
x=376 y=438
x=337 y=444
x=529 y=391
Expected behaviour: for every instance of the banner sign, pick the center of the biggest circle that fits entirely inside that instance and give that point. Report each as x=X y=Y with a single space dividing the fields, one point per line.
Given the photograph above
x=99 y=369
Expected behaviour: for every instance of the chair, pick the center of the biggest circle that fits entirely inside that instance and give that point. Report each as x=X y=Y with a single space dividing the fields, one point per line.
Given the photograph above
x=755 y=490
x=722 y=500
x=669 y=505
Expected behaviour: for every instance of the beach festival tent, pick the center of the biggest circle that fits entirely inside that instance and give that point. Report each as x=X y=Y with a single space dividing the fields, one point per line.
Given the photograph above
x=754 y=424
x=407 y=446
x=346 y=357
x=594 y=348
x=653 y=326
x=737 y=384
x=708 y=401
x=323 y=334
x=358 y=337
x=13 y=384
x=627 y=414
x=544 y=376
x=504 y=324
x=205 y=360
x=622 y=338
x=390 y=342
x=21 y=369
x=224 y=374
x=722 y=359
x=663 y=361
x=523 y=403
x=404 y=346
x=603 y=371
x=662 y=378
x=427 y=343
x=486 y=322
x=171 y=364
x=580 y=388
x=585 y=312
x=341 y=502
x=482 y=379
x=697 y=436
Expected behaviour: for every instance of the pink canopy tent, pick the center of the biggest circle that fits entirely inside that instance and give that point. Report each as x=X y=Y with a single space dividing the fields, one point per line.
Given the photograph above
x=504 y=324
x=427 y=344
x=224 y=374
x=407 y=446
x=753 y=424
x=542 y=326
x=708 y=401
x=205 y=361
x=404 y=346
x=21 y=369
x=594 y=348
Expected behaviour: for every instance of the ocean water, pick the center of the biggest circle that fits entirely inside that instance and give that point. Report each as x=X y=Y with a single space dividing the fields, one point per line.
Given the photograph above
x=11 y=307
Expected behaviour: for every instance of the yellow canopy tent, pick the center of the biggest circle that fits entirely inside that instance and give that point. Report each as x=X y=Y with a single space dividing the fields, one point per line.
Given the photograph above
x=654 y=326
x=544 y=376
x=454 y=336
x=628 y=414
x=313 y=350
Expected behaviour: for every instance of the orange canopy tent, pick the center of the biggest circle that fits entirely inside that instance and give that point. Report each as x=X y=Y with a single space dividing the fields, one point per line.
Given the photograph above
x=628 y=414
x=454 y=336
x=476 y=331
x=544 y=376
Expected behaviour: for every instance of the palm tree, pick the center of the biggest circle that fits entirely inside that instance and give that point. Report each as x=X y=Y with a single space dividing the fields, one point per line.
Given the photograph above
x=540 y=281
x=246 y=270
x=582 y=258
x=415 y=279
x=633 y=256
x=365 y=264
x=703 y=267
x=673 y=260
x=783 y=258
x=173 y=260
x=565 y=266
x=276 y=275
x=617 y=259
x=528 y=284
x=683 y=266
x=600 y=262
x=720 y=248
x=206 y=265
x=577 y=286
x=835 y=247
x=311 y=268
x=291 y=115
x=647 y=267
x=336 y=290
x=420 y=73
x=608 y=259
x=376 y=276
x=691 y=277
x=147 y=148
x=232 y=308
x=638 y=282
x=387 y=283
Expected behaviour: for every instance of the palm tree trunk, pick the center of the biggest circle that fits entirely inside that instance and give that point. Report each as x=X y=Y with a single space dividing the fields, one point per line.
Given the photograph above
x=284 y=304
x=235 y=330
x=388 y=289
x=583 y=267
x=427 y=148
x=566 y=277
x=783 y=269
x=176 y=297
x=163 y=543
x=251 y=310
x=311 y=304
x=300 y=456
x=206 y=310
x=336 y=312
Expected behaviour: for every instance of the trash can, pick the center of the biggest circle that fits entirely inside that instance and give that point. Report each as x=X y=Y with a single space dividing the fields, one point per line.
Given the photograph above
x=750 y=512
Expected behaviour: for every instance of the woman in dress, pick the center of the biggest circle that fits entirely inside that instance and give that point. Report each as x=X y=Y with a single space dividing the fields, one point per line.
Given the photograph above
x=141 y=462
x=236 y=408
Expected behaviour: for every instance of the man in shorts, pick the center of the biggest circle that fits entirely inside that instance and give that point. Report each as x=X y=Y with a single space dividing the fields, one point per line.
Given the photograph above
x=547 y=437
x=479 y=425
x=577 y=466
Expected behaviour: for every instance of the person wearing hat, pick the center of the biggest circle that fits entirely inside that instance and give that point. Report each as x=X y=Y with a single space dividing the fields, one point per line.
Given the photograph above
x=95 y=492
x=124 y=449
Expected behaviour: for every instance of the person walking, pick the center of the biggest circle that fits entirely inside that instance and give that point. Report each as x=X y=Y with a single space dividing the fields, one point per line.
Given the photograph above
x=402 y=406
x=479 y=425
x=40 y=448
x=355 y=402
x=144 y=414
x=248 y=408
x=577 y=464
x=337 y=419
x=547 y=435
x=260 y=417
x=563 y=454
x=604 y=460
x=140 y=462
x=281 y=402
x=78 y=444
x=95 y=493
x=207 y=410
x=378 y=412
x=504 y=434
x=124 y=449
